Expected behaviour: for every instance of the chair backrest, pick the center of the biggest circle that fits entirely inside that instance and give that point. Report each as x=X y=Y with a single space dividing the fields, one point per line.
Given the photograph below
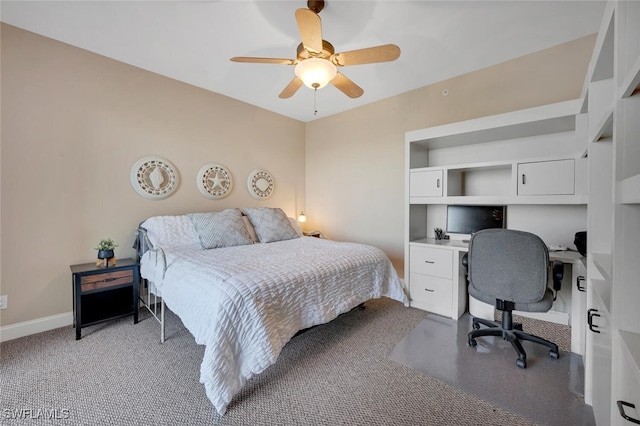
x=507 y=264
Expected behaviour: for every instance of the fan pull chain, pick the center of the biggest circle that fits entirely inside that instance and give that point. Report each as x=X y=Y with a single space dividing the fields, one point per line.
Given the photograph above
x=315 y=97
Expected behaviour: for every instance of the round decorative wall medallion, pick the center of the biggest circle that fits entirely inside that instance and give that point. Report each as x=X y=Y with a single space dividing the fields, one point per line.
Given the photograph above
x=154 y=178
x=214 y=181
x=260 y=184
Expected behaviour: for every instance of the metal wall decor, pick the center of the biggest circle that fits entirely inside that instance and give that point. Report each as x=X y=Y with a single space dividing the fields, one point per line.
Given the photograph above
x=153 y=177
x=260 y=184
x=214 y=181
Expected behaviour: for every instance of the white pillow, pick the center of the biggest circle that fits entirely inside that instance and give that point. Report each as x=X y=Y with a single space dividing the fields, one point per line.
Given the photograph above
x=171 y=231
x=271 y=224
x=221 y=229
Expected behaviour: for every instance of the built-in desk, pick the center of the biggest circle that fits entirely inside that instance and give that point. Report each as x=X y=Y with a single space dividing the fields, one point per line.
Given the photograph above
x=438 y=284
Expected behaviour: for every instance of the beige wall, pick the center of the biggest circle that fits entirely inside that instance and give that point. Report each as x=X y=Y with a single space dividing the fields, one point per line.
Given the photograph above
x=73 y=125
x=355 y=160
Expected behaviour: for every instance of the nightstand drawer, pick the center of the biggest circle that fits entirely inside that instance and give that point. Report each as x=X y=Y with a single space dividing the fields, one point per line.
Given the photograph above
x=107 y=279
x=431 y=261
x=431 y=292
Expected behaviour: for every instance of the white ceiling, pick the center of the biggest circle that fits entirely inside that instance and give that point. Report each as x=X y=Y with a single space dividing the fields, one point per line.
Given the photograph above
x=193 y=41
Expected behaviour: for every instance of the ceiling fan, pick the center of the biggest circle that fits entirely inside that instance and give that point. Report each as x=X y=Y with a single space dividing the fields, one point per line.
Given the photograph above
x=316 y=62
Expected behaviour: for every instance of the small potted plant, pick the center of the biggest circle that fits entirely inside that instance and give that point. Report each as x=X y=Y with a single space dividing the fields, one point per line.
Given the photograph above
x=105 y=249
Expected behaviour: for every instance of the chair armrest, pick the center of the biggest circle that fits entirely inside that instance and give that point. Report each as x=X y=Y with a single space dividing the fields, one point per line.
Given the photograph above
x=465 y=260
x=557 y=274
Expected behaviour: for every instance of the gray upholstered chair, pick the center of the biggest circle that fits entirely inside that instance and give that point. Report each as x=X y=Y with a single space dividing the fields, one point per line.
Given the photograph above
x=509 y=268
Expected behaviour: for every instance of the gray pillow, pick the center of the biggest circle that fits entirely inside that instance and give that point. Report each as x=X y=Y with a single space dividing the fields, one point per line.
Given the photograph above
x=271 y=224
x=221 y=229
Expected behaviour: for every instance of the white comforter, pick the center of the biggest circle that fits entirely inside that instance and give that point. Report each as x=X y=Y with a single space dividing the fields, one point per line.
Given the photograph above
x=245 y=303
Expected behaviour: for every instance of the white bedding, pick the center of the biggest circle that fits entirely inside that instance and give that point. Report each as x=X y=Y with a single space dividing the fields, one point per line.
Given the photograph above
x=245 y=303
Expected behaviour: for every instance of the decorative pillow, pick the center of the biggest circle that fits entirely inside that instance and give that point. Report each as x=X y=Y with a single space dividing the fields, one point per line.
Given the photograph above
x=296 y=226
x=171 y=231
x=221 y=229
x=252 y=232
x=271 y=224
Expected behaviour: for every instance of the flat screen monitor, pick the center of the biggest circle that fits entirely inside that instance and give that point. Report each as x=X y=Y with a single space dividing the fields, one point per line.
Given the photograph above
x=471 y=219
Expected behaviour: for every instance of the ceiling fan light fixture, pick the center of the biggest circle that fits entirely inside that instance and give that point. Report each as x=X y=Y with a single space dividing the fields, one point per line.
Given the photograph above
x=315 y=73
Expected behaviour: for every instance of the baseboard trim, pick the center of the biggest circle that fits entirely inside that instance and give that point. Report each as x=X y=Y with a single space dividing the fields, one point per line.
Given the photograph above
x=26 y=328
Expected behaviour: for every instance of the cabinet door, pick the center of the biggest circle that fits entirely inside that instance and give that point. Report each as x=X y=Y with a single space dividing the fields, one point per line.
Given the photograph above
x=546 y=178
x=626 y=373
x=425 y=183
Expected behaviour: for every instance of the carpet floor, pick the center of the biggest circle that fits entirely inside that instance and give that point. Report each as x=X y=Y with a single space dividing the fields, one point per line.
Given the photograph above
x=338 y=373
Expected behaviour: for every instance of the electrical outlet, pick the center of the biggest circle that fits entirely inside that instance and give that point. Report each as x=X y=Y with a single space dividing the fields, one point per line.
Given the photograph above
x=4 y=301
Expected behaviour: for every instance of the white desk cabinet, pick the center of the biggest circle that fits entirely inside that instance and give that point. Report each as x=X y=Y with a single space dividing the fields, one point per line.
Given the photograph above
x=437 y=283
x=431 y=283
x=546 y=178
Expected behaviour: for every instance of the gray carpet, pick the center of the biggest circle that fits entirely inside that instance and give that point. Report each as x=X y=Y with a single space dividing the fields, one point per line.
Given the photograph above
x=334 y=374
x=548 y=391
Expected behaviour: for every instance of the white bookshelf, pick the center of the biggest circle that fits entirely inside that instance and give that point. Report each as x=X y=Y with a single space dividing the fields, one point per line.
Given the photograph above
x=612 y=90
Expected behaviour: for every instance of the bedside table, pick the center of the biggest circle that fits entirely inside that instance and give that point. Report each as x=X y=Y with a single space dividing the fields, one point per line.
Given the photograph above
x=102 y=294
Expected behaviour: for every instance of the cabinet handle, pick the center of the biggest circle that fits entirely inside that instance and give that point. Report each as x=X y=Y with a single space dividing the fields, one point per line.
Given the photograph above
x=429 y=261
x=621 y=405
x=590 y=314
x=580 y=287
x=429 y=290
x=524 y=180
x=438 y=183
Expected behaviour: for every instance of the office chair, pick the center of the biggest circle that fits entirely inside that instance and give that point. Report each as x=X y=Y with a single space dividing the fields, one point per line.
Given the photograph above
x=510 y=268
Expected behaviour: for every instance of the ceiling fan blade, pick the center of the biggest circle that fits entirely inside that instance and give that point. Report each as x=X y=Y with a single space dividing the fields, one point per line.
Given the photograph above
x=347 y=86
x=384 y=53
x=263 y=60
x=291 y=88
x=310 y=28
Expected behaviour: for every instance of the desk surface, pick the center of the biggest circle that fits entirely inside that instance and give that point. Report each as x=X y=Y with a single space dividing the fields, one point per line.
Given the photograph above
x=566 y=256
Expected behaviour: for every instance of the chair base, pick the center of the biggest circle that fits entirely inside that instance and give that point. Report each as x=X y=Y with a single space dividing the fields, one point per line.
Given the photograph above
x=512 y=332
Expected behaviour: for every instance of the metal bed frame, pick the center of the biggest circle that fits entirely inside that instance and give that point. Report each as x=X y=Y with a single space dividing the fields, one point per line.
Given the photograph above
x=149 y=296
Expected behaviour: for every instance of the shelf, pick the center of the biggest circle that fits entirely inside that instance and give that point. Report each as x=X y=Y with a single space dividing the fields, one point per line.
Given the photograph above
x=601 y=105
x=602 y=291
x=544 y=120
x=601 y=65
x=629 y=190
x=604 y=130
x=602 y=262
x=503 y=199
x=632 y=82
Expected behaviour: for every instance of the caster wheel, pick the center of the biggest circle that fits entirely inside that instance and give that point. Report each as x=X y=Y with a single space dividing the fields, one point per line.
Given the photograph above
x=473 y=343
x=521 y=363
x=476 y=326
x=553 y=354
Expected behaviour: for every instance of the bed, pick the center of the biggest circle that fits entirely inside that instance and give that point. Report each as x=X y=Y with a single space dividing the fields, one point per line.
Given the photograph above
x=244 y=282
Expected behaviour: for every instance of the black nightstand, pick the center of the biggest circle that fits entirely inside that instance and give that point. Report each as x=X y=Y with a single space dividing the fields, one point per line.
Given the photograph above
x=316 y=234
x=102 y=294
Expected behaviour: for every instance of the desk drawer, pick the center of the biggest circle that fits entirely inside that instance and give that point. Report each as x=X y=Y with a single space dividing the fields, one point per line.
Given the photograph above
x=105 y=280
x=433 y=291
x=431 y=261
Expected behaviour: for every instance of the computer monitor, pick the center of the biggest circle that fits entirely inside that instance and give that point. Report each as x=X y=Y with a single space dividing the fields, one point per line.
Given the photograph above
x=467 y=220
